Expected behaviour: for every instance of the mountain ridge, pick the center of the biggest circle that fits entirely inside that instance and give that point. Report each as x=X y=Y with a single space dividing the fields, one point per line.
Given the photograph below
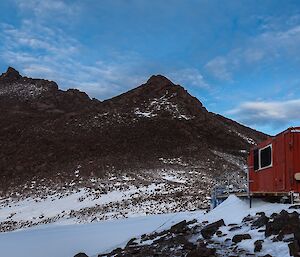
x=45 y=132
x=154 y=149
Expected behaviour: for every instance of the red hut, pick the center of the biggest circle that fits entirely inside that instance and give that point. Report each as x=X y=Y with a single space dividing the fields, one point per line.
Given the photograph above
x=274 y=165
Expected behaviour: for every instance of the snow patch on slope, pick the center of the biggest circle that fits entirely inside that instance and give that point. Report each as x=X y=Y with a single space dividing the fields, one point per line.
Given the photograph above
x=27 y=91
x=163 y=103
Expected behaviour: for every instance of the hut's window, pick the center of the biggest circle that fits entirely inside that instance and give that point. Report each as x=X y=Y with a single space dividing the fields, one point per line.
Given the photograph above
x=265 y=157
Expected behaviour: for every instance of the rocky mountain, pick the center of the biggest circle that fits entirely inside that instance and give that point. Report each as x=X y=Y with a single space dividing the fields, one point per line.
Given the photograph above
x=158 y=133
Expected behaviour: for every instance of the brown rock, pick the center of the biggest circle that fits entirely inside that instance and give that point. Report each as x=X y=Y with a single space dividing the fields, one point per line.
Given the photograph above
x=240 y=237
x=81 y=255
x=209 y=230
x=258 y=245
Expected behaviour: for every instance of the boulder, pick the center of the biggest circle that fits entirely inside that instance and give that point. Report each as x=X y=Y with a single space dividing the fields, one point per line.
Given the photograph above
x=235 y=228
x=81 y=255
x=189 y=246
x=131 y=242
x=209 y=230
x=287 y=230
x=282 y=224
x=202 y=251
x=261 y=221
x=219 y=233
x=248 y=218
x=258 y=245
x=297 y=206
x=294 y=248
x=240 y=237
x=191 y=222
x=179 y=227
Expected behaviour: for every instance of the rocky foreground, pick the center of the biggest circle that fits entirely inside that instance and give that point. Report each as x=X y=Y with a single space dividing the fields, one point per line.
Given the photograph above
x=256 y=235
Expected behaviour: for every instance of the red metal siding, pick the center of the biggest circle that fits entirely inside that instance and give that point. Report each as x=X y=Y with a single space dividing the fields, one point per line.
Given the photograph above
x=280 y=154
x=296 y=160
x=285 y=163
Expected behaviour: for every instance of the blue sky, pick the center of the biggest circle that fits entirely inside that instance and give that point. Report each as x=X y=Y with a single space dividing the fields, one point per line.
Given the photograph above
x=239 y=58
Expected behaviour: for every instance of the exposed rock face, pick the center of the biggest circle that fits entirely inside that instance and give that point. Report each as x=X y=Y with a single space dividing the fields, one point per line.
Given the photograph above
x=45 y=131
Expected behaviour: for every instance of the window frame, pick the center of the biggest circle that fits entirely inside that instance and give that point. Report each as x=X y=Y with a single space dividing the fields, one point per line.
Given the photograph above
x=259 y=157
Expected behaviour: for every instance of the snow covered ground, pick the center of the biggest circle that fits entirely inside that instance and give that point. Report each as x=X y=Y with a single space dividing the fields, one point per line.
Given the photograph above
x=233 y=210
x=90 y=200
x=67 y=240
x=62 y=240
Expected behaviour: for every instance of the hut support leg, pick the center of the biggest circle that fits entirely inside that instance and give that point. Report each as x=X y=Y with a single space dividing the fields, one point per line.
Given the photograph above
x=292 y=198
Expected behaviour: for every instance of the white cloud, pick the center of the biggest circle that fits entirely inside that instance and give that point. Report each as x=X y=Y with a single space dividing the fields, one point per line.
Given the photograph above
x=275 y=113
x=219 y=68
x=263 y=48
x=43 y=52
x=46 y=9
x=188 y=77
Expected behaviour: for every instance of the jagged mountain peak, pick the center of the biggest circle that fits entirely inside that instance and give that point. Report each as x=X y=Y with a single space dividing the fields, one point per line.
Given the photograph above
x=40 y=94
x=10 y=75
x=158 y=96
x=157 y=86
x=159 y=81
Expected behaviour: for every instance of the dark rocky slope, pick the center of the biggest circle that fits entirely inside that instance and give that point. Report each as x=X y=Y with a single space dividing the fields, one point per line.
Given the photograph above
x=45 y=131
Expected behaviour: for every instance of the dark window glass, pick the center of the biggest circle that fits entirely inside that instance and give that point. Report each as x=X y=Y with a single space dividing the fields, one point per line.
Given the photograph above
x=255 y=155
x=266 y=157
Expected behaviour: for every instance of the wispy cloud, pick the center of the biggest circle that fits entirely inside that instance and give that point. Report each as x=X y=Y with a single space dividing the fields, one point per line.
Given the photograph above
x=33 y=36
x=263 y=48
x=275 y=113
x=219 y=67
x=40 y=51
x=43 y=10
x=188 y=77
